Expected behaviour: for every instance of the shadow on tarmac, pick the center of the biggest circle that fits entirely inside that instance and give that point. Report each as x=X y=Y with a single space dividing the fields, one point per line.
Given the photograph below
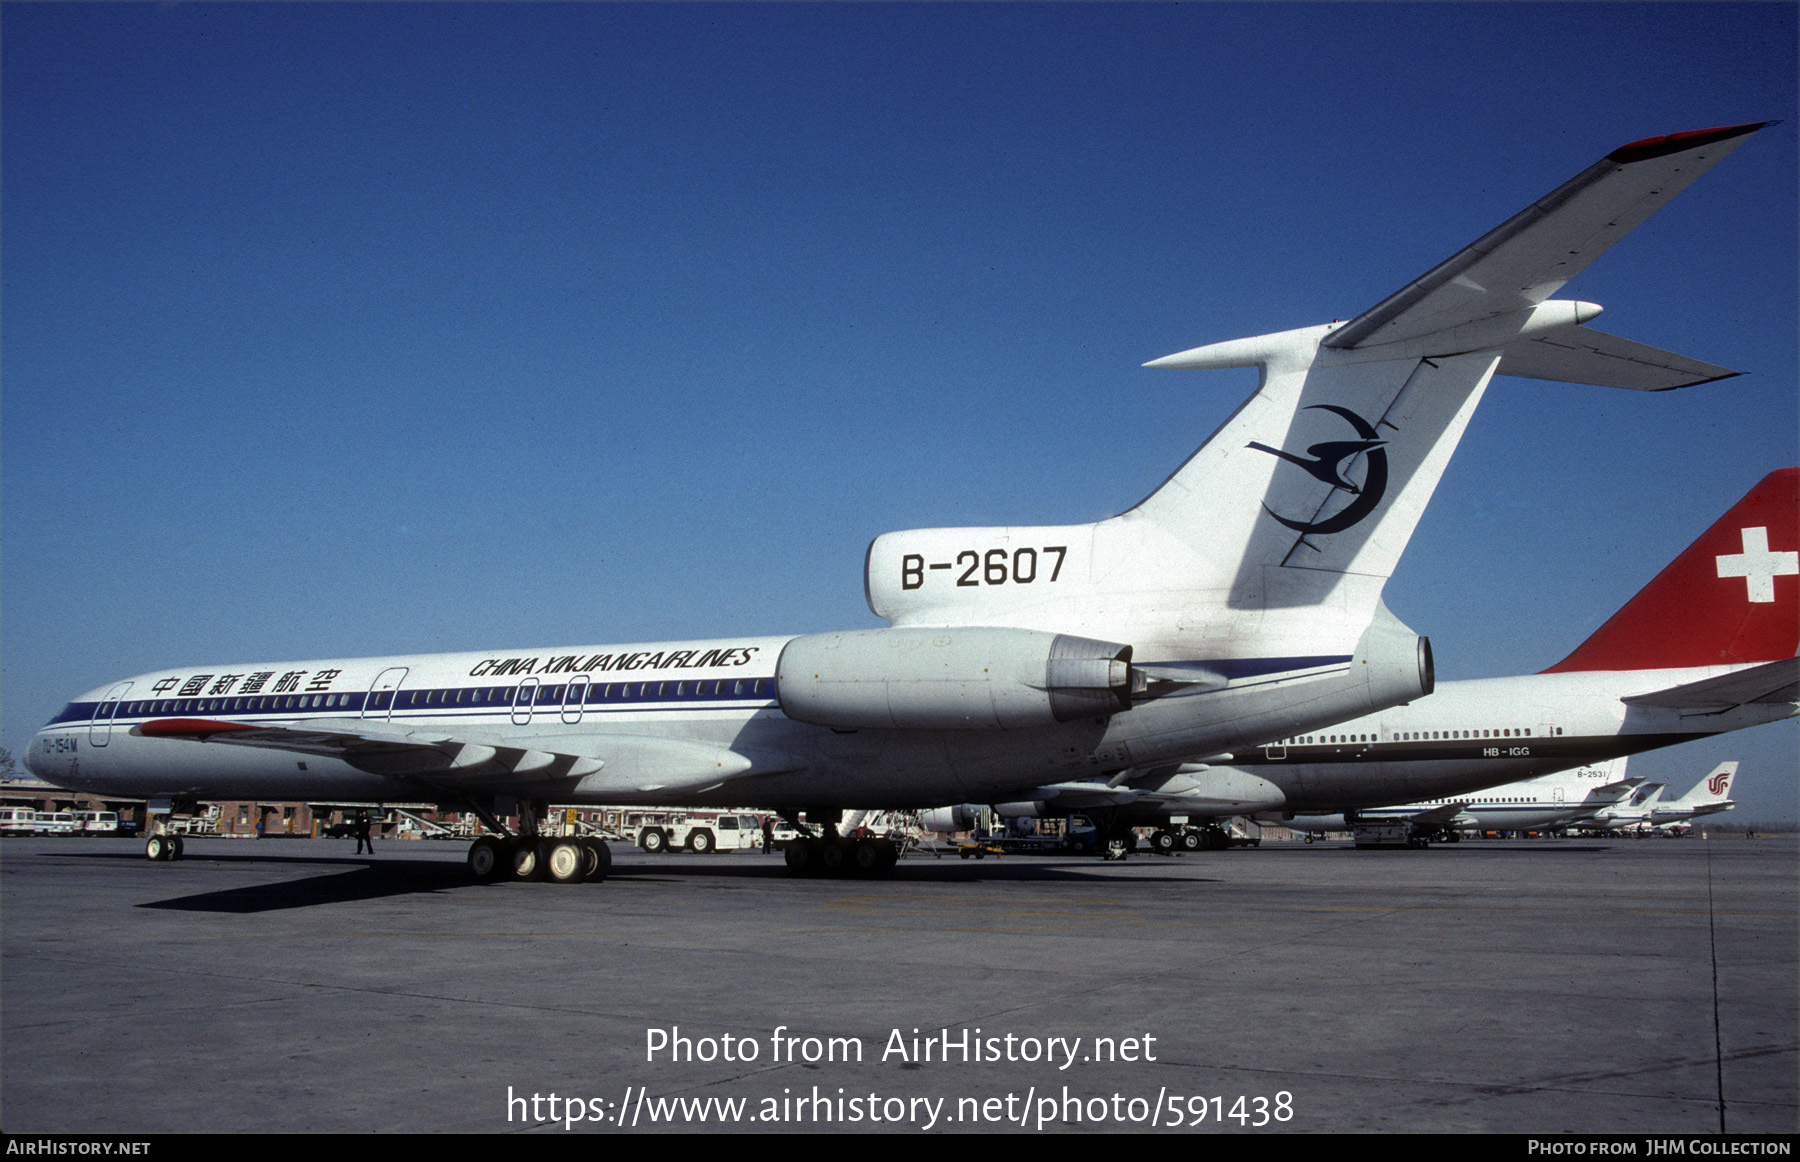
x=1014 y=869
x=365 y=880
x=368 y=881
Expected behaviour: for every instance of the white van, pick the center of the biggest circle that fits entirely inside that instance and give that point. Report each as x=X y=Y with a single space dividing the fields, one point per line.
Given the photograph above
x=97 y=822
x=18 y=821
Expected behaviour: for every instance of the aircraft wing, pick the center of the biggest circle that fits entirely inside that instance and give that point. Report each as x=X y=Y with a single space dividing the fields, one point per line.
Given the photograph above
x=464 y=759
x=1769 y=682
x=1437 y=815
x=1527 y=258
x=1078 y=796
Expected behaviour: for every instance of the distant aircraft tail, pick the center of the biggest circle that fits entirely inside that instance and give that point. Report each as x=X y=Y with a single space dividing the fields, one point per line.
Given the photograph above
x=1732 y=597
x=1714 y=788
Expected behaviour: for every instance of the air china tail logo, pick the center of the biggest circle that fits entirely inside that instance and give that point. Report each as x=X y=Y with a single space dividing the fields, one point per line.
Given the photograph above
x=1716 y=784
x=1327 y=465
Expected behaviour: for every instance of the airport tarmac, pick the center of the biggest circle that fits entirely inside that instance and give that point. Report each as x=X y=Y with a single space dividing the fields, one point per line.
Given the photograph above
x=1522 y=986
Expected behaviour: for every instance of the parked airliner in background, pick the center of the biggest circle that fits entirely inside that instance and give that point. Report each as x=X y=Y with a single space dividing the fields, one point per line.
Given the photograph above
x=1597 y=798
x=1706 y=647
x=1709 y=796
x=1547 y=801
x=1630 y=814
x=1239 y=602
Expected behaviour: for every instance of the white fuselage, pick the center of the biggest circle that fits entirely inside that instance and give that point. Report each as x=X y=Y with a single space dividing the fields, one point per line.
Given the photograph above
x=1467 y=736
x=1472 y=735
x=633 y=704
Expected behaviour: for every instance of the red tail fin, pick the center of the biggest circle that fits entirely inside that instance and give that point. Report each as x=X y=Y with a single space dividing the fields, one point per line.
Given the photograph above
x=1733 y=596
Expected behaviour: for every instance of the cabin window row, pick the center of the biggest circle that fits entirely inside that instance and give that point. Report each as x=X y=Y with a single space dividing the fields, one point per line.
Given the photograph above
x=496 y=696
x=1406 y=736
x=589 y=693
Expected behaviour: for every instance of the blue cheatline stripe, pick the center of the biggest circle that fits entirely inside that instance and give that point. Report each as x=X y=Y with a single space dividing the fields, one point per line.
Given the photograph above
x=1253 y=667
x=683 y=691
x=1230 y=668
x=544 y=700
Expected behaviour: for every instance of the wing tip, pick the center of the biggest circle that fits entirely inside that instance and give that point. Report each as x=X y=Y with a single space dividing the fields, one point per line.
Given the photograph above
x=1652 y=147
x=1699 y=382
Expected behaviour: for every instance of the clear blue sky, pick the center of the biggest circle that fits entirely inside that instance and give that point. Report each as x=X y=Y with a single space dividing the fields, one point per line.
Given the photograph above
x=340 y=329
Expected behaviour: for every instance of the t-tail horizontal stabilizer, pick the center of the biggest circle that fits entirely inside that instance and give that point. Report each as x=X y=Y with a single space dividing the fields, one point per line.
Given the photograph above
x=1323 y=475
x=1584 y=355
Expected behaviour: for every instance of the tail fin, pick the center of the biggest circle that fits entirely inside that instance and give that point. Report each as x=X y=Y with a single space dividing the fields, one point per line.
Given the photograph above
x=1733 y=597
x=1714 y=788
x=1273 y=541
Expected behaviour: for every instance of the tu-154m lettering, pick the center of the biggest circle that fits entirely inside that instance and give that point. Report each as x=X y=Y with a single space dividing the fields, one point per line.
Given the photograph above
x=1240 y=602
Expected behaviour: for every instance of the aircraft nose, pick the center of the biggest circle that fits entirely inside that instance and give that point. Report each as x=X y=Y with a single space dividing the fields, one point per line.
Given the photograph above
x=32 y=753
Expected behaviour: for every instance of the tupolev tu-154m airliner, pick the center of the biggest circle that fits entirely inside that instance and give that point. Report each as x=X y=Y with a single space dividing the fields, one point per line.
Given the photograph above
x=1240 y=602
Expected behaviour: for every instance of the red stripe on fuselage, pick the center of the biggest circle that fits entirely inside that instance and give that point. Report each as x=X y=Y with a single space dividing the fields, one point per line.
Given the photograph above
x=189 y=727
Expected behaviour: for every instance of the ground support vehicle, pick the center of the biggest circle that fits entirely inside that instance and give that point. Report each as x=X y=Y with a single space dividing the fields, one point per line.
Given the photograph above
x=1386 y=834
x=702 y=835
x=97 y=822
x=18 y=821
x=978 y=848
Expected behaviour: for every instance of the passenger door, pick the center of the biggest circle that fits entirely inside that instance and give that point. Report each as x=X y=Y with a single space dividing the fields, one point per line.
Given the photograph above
x=100 y=729
x=575 y=699
x=523 y=701
x=379 y=704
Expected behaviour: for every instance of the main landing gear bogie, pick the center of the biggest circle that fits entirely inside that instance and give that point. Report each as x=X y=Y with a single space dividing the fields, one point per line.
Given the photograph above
x=525 y=860
x=838 y=856
x=1169 y=840
x=163 y=848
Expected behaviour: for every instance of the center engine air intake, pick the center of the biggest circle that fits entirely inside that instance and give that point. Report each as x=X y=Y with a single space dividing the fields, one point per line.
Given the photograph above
x=951 y=679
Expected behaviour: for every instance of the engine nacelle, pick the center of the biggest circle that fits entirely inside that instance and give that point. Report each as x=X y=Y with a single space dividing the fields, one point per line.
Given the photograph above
x=957 y=678
x=942 y=820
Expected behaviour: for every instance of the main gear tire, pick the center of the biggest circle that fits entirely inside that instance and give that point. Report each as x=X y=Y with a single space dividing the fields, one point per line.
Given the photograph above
x=525 y=861
x=486 y=859
x=598 y=858
x=564 y=861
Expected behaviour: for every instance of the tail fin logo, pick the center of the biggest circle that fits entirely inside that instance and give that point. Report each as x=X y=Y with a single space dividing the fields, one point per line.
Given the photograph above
x=1327 y=465
x=1716 y=785
x=1757 y=565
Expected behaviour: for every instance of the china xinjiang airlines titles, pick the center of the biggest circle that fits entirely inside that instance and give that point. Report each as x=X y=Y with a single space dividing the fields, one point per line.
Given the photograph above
x=1239 y=602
